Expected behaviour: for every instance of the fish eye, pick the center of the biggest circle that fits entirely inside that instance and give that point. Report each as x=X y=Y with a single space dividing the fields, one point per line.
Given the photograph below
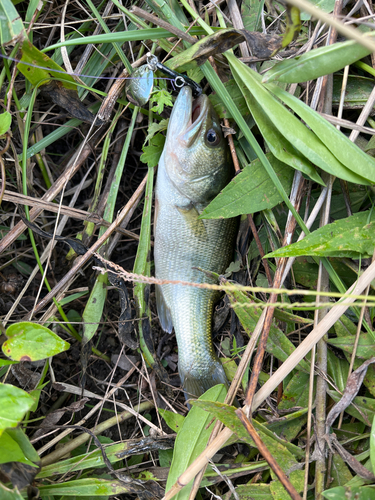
x=212 y=137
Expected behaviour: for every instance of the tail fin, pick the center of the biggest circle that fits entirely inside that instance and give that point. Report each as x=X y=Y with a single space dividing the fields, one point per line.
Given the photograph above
x=197 y=383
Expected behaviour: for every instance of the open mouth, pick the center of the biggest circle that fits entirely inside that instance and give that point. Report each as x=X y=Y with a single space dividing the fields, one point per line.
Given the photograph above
x=198 y=115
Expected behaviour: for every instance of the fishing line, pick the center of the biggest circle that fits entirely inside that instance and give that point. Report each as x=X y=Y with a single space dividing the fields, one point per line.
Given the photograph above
x=78 y=74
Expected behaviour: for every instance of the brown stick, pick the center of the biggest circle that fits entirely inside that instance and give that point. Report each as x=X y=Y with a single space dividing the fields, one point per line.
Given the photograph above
x=80 y=262
x=289 y=230
x=260 y=249
x=72 y=168
x=267 y=456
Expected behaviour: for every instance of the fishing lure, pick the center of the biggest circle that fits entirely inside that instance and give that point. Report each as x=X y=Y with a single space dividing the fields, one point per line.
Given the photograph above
x=139 y=88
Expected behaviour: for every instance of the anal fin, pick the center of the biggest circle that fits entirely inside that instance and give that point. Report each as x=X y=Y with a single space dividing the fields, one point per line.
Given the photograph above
x=164 y=312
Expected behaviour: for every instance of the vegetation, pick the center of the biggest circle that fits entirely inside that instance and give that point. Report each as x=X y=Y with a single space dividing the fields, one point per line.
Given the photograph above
x=83 y=351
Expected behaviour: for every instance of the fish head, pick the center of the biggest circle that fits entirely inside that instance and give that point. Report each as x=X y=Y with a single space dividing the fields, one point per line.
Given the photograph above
x=197 y=157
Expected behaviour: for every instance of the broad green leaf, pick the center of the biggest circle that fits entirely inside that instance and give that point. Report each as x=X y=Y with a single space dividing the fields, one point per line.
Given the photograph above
x=9 y=494
x=238 y=99
x=290 y=426
x=365 y=348
x=350 y=237
x=316 y=63
x=350 y=493
x=337 y=369
x=192 y=439
x=14 y=403
x=173 y=420
x=365 y=405
x=344 y=327
x=340 y=472
x=302 y=138
x=250 y=191
x=94 y=459
x=5 y=121
x=296 y=392
x=88 y=487
x=372 y=444
x=36 y=60
x=152 y=152
x=94 y=308
x=251 y=11
x=226 y=414
x=357 y=92
x=11 y=26
x=280 y=147
x=256 y=491
x=16 y=447
x=31 y=342
x=281 y=450
x=346 y=152
x=278 y=343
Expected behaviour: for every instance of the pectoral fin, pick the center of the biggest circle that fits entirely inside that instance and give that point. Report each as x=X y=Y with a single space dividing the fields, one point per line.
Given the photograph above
x=190 y=215
x=164 y=312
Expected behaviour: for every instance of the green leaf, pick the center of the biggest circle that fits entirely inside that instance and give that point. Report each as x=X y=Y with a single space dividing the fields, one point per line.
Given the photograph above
x=350 y=493
x=326 y=5
x=94 y=459
x=152 y=152
x=14 y=403
x=5 y=230
x=316 y=63
x=251 y=12
x=9 y=494
x=173 y=420
x=94 y=308
x=162 y=98
x=365 y=349
x=280 y=147
x=283 y=451
x=36 y=61
x=278 y=343
x=7 y=362
x=16 y=447
x=372 y=444
x=349 y=237
x=192 y=440
x=337 y=369
x=5 y=121
x=250 y=191
x=88 y=487
x=156 y=127
x=296 y=393
x=226 y=414
x=302 y=138
x=346 y=152
x=11 y=26
x=238 y=99
x=31 y=342
x=255 y=491
x=366 y=407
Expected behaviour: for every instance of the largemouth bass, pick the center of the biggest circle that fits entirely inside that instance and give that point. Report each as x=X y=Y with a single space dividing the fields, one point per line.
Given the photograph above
x=194 y=166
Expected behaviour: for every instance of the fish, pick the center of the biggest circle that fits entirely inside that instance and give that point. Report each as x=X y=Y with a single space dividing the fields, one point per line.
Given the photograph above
x=194 y=167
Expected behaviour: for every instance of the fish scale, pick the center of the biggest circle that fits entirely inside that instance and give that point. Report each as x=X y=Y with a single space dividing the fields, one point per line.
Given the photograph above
x=191 y=172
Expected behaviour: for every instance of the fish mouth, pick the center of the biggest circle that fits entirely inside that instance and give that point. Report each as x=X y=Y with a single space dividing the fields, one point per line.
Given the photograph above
x=197 y=119
x=188 y=116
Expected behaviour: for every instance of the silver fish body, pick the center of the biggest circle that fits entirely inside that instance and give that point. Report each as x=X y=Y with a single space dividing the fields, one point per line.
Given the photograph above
x=195 y=165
